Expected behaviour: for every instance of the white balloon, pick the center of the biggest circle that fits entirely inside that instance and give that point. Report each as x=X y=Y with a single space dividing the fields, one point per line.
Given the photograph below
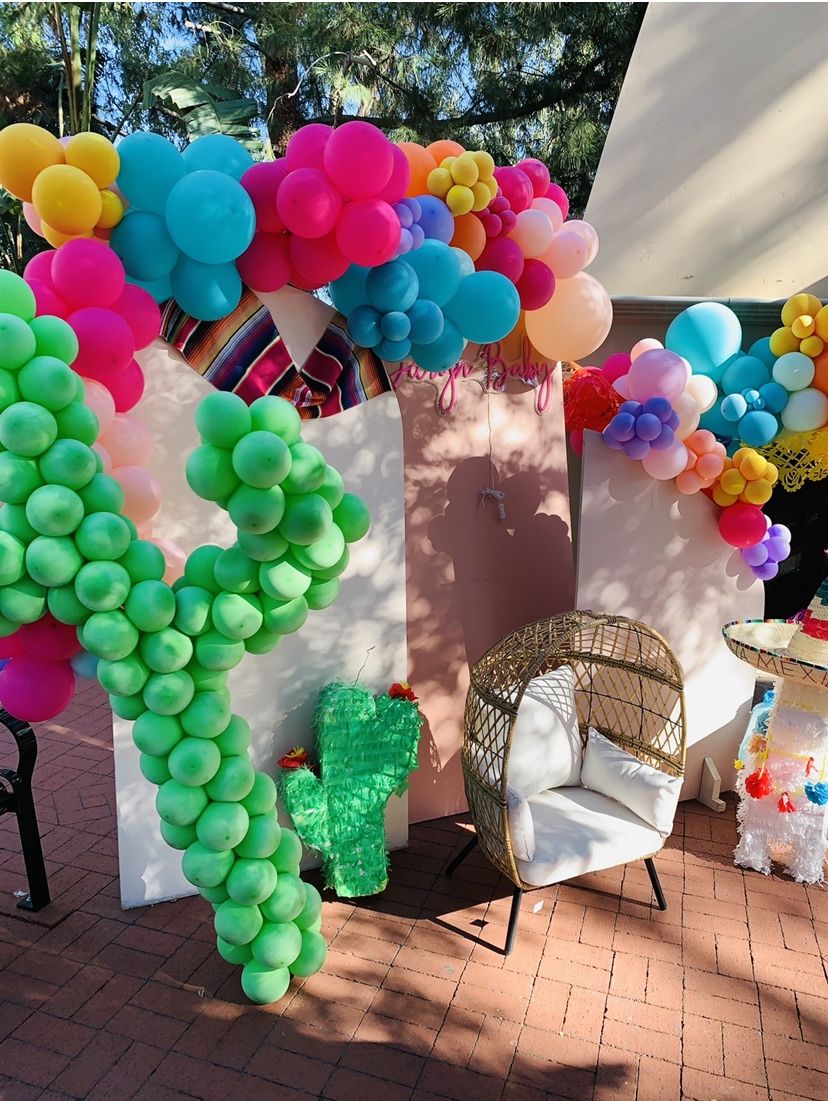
x=688 y=415
x=666 y=464
x=806 y=410
x=620 y=385
x=703 y=390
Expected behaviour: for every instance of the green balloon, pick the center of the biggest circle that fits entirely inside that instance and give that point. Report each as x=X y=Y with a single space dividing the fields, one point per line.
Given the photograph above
x=334 y=571
x=256 y=510
x=17 y=342
x=288 y=856
x=272 y=414
x=205 y=868
x=192 y=610
x=16 y=296
x=23 y=602
x=166 y=650
x=52 y=562
x=322 y=594
x=12 y=553
x=54 y=510
x=234 y=572
x=102 y=536
x=109 y=635
x=9 y=390
x=324 y=553
x=206 y=716
x=307 y=469
x=265 y=547
x=194 y=761
x=125 y=677
x=180 y=805
x=232 y=953
x=128 y=707
x=47 y=381
x=151 y=605
x=352 y=517
x=312 y=909
x=234 y=740
x=143 y=561
x=250 y=882
x=222 y=826
x=7 y=627
x=155 y=770
x=262 y=837
x=200 y=568
x=207 y=680
x=18 y=478
x=178 y=837
x=315 y=926
x=287 y=899
x=262 y=796
x=102 y=587
x=169 y=693
x=157 y=735
x=233 y=780
x=278 y=944
x=312 y=957
x=13 y=520
x=237 y=924
x=284 y=580
x=216 y=895
x=223 y=418
x=65 y=606
x=103 y=494
x=236 y=616
x=77 y=422
x=210 y=474
x=307 y=519
x=332 y=488
x=27 y=429
x=69 y=463
x=54 y=337
x=263 y=642
x=261 y=459
x=263 y=986
x=214 y=651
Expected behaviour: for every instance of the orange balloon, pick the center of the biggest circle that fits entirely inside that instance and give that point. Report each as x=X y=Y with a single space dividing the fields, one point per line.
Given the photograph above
x=25 y=150
x=469 y=235
x=820 y=381
x=421 y=162
x=445 y=148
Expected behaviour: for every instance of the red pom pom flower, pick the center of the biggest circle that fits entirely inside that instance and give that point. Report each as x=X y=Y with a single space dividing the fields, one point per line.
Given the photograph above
x=759 y=784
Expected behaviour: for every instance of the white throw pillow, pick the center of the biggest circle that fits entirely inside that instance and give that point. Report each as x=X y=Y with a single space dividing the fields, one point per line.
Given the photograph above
x=521 y=826
x=546 y=743
x=639 y=787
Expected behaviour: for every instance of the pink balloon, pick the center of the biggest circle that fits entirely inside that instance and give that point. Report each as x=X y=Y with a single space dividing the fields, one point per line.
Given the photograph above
x=587 y=234
x=557 y=194
x=35 y=690
x=101 y=402
x=536 y=285
x=106 y=461
x=128 y=388
x=106 y=343
x=141 y=312
x=128 y=441
x=648 y=344
x=174 y=557
x=397 y=186
x=86 y=272
x=503 y=255
x=533 y=232
x=317 y=262
x=368 y=231
x=538 y=174
x=358 y=160
x=40 y=267
x=265 y=265
x=48 y=302
x=689 y=482
x=308 y=203
x=615 y=366
x=566 y=255
x=551 y=210
x=306 y=148
x=516 y=186
x=666 y=464
x=146 y=530
x=657 y=373
x=262 y=183
x=142 y=494
x=32 y=219
x=574 y=322
x=49 y=639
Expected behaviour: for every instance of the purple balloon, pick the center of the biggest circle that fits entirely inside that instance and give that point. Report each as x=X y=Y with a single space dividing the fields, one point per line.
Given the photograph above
x=779 y=531
x=648 y=427
x=622 y=427
x=766 y=572
x=659 y=407
x=417 y=235
x=636 y=448
x=673 y=421
x=633 y=407
x=664 y=439
x=778 y=549
x=756 y=556
x=404 y=214
x=612 y=443
x=436 y=219
x=406 y=242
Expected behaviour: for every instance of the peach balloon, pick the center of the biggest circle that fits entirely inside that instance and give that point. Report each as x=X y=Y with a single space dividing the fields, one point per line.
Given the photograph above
x=445 y=148
x=574 y=322
x=469 y=235
x=101 y=402
x=587 y=234
x=128 y=441
x=533 y=232
x=689 y=481
x=567 y=254
x=666 y=464
x=32 y=219
x=174 y=557
x=142 y=494
x=106 y=459
x=421 y=162
x=703 y=391
x=688 y=414
x=648 y=344
x=552 y=211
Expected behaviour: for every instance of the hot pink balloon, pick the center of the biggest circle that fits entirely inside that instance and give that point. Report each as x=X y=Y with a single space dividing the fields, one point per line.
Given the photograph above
x=49 y=639
x=308 y=203
x=502 y=255
x=397 y=186
x=128 y=441
x=516 y=186
x=35 y=690
x=10 y=646
x=533 y=232
x=174 y=557
x=48 y=301
x=307 y=147
x=101 y=402
x=40 y=267
x=657 y=373
x=587 y=234
x=262 y=182
x=648 y=344
x=615 y=366
x=368 y=231
x=32 y=219
x=576 y=441
x=358 y=160
x=266 y=266
x=536 y=285
x=319 y=261
x=567 y=254
x=128 y=388
x=86 y=272
x=538 y=174
x=551 y=210
x=106 y=343
x=557 y=194
x=666 y=464
x=141 y=312
x=142 y=494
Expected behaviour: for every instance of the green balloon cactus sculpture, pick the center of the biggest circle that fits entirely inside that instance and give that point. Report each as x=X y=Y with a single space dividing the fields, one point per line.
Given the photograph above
x=164 y=651
x=367 y=747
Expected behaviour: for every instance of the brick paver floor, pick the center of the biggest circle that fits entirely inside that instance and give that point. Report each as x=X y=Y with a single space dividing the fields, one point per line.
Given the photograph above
x=722 y=997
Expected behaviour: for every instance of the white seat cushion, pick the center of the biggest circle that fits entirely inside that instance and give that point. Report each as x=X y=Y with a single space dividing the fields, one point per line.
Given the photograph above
x=646 y=791
x=521 y=826
x=578 y=831
x=546 y=743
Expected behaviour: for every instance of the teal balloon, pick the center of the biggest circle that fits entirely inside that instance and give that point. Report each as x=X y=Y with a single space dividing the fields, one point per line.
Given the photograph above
x=486 y=307
x=443 y=352
x=364 y=326
x=437 y=269
x=392 y=286
x=210 y=217
x=349 y=291
x=774 y=396
x=761 y=350
x=745 y=373
x=149 y=167
x=394 y=351
x=143 y=243
x=218 y=152
x=466 y=262
x=707 y=335
x=426 y=320
x=757 y=428
x=733 y=407
x=160 y=289
x=715 y=422
x=206 y=291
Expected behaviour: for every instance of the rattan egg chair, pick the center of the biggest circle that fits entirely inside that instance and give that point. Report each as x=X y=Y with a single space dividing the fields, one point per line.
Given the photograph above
x=628 y=686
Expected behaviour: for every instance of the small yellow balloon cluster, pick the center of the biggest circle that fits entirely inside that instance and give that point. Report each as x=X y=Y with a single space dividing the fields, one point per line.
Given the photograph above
x=66 y=184
x=465 y=182
x=804 y=327
x=747 y=477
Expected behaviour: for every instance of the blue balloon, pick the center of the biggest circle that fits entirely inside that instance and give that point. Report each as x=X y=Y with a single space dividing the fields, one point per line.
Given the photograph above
x=84 y=664
x=427 y=321
x=486 y=307
x=466 y=262
x=708 y=335
x=761 y=350
x=349 y=291
x=150 y=167
x=219 y=153
x=774 y=396
x=395 y=326
x=207 y=291
x=436 y=220
x=364 y=326
x=143 y=243
x=714 y=422
x=4 y=662
x=758 y=428
x=210 y=217
x=438 y=271
x=733 y=407
x=160 y=289
x=392 y=286
x=743 y=373
x=394 y=351
x=441 y=353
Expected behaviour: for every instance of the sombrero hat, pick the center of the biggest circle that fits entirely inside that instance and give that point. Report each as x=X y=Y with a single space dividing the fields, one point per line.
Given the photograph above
x=796 y=650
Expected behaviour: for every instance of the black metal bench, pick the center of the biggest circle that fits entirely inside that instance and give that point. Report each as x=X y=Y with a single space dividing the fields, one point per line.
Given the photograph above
x=16 y=798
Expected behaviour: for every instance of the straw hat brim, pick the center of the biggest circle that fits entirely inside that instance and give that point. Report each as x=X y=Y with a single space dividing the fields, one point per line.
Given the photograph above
x=762 y=643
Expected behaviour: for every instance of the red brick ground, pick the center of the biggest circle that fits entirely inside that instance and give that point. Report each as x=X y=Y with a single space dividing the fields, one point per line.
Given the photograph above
x=722 y=997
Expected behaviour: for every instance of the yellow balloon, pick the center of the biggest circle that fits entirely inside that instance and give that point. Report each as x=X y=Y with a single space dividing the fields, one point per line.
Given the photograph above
x=799 y=304
x=459 y=200
x=464 y=170
x=25 y=150
x=753 y=466
x=732 y=482
x=757 y=493
x=812 y=346
x=723 y=499
x=439 y=181
x=481 y=194
x=96 y=156
x=783 y=341
x=771 y=474
x=821 y=323
x=492 y=186
x=803 y=326
x=67 y=199
x=56 y=238
x=485 y=163
x=112 y=210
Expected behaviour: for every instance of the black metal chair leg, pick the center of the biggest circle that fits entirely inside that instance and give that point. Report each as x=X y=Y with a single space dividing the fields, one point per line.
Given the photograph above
x=657 y=891
x=461 y=856
x=38 y=895
x=514 y=914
